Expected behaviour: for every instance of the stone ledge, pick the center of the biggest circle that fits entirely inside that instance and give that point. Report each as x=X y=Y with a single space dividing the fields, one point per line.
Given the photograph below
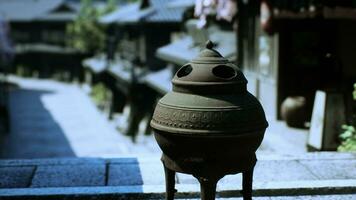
x=267 y=189
x=143 y=178
x=308 y=156
x=57 y=161
x=155 y=159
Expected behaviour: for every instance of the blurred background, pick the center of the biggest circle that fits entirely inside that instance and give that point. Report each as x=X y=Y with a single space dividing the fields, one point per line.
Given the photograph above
x=80 y=78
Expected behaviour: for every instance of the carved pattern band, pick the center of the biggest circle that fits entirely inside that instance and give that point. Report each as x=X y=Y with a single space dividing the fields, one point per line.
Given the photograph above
x=207 y=119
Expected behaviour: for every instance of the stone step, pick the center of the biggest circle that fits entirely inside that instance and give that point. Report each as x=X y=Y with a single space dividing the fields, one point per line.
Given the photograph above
x=315 y=197
x=143 y=177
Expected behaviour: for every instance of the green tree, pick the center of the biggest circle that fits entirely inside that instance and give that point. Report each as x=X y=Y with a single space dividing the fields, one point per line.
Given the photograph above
x=110 y=7
x=348 y=137
x=85 y=33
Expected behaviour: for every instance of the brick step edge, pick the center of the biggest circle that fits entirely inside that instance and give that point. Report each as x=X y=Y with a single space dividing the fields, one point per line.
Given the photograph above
x=294 y=188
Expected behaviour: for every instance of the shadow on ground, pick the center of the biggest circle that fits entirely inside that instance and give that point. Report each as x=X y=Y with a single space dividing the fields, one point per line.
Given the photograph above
x=34 y=133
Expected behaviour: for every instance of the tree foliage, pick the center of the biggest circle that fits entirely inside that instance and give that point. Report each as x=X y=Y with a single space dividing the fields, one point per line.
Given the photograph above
x=85 y=33
x=348 y=137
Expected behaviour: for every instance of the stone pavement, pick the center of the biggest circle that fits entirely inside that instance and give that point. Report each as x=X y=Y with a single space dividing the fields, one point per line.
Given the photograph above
x=57 y=120
x=50 y=119
x=143 y=178
x=281 y=139
x=53 y=119
x=304 y=197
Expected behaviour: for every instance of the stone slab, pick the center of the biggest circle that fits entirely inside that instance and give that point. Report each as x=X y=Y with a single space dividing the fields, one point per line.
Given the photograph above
x=152 y=173
x=143 y=177
x=288 y=188
x=124 y=174
x=332 y=169
x=305 y=197
x=49 y=161
x=78 y=193
x=293 y=167
x=307 y=156
x=316 y=197
x=16 y=177
x=69 y=176
x=184 y=191
x=127 y=160
x=287 y=170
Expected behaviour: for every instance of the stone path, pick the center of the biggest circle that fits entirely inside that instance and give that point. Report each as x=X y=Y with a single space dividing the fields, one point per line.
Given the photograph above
x=57 y=120
x=281 y=139
x=52 y=119
x=143 y=178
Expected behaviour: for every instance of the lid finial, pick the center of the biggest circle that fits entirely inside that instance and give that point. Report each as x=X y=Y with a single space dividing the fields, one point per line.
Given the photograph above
x=209 y=44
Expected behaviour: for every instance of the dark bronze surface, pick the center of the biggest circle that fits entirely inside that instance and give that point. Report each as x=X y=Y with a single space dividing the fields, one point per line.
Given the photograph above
x=209 y=125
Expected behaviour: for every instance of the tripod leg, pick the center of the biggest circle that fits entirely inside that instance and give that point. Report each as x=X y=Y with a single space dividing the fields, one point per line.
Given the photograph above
x=170 y=183
x=247 y=184
x=207 y=188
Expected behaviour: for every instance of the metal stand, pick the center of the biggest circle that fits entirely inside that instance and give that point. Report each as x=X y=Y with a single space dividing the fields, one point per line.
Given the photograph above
x=208 y=188
x=247 y=178
x=208 y=185
x=170 y=183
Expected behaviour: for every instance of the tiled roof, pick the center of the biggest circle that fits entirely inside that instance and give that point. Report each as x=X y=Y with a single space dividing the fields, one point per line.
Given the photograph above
x=168 y=11
x=158 y=11
x=26 y=10
x=184 y=50
x=51 y=10
x=127 y=14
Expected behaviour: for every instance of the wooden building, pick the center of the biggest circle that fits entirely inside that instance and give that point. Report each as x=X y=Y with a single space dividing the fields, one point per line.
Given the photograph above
x=39 y=21
x=294 y=48
x=38 y=29
x=136 y=31
x=6 y=57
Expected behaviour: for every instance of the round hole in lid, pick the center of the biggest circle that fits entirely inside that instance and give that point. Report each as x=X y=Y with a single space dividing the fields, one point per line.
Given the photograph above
x=184 y=71
x=224 y=72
